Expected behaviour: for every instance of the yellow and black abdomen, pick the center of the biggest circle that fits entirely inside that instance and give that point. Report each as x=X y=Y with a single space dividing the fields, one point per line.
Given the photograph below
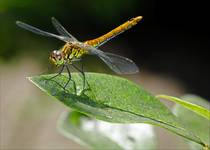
x=71 y=52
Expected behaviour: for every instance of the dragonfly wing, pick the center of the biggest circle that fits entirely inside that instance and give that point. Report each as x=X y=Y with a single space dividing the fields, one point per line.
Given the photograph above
x=61 y=29
x=106 y=59
x=41 y=32
x=124 y=65
x=119 y=64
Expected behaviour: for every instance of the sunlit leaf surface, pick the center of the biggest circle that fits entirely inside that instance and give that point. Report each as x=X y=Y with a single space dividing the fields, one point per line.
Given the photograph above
x=113 y=99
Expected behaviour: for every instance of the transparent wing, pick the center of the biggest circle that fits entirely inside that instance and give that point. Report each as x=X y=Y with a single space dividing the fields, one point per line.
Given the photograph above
x=124 y=65
x=119 y=64
x=61 y=29
x=40 y=32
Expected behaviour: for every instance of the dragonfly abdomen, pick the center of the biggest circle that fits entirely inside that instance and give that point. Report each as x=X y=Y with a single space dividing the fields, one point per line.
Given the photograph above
x=106 y=37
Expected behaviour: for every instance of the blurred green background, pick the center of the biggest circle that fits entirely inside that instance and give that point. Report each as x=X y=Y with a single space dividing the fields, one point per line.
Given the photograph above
x=169 y=45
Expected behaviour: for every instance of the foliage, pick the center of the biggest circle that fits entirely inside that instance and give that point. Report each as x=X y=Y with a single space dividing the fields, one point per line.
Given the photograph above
x=115 y=100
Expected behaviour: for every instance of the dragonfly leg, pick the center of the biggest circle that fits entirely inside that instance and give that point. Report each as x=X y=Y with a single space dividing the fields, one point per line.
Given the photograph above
x=69 y=79
x=84 y=78
x=59 y=73
x=83 y=75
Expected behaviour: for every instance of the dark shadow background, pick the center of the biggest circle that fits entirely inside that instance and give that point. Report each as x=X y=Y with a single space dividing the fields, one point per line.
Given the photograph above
x=173 y=37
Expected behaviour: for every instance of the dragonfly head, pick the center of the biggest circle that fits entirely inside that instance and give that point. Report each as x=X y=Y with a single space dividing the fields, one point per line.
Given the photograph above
x=56 y=58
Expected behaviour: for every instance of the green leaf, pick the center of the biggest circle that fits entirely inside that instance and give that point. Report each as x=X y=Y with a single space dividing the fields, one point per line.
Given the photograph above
x=96 y=134
x=113 y=99
x=193 y=107
x=199 y=125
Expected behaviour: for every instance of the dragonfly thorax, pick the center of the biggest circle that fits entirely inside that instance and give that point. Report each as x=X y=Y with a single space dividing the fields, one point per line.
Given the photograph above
x=57 y=58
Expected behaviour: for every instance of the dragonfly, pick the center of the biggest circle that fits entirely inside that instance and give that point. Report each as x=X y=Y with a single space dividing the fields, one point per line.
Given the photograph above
x=74 y=50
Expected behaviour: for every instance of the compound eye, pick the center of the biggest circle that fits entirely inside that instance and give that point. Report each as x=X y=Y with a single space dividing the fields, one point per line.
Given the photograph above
x=58 y=55
x=54 y=52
